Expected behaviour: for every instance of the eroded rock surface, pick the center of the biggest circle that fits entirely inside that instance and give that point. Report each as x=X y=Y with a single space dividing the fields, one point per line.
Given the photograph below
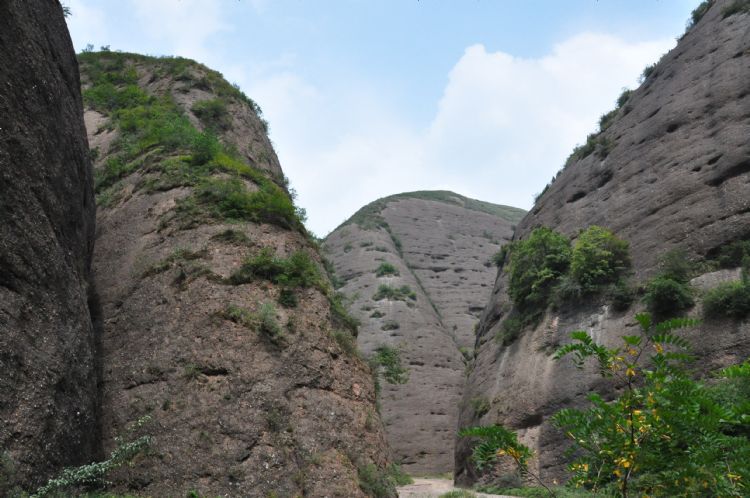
x=47 y=360
x=244 y=402
x=440 y=245
x=677 y=176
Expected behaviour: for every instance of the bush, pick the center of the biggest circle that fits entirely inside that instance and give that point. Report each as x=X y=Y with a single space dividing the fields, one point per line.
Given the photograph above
x=390 y=325
x=621 y=295
x=376 y=482
x=346 y=342
x=340 y=316
x=598 y=258
x=386 y=269
x=665 y=434
x=288 y=298
x=732 y=255
x=267 y=323
x=298 y=270
x=205 y=147
x=388 y=360
x=676 y=265
x=394 y=294
x=666 y=297
x=535 y=266
x=212 y=113
x=736 y=7
x=729 y=299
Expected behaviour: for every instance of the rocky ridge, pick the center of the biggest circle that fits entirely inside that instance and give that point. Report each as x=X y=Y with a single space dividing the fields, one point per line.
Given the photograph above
x=48 y=361
x=671 y=170
x=217 y=321
x=439 y=245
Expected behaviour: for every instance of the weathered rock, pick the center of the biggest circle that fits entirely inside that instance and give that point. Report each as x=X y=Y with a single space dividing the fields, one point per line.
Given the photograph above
x=440 y=244
x=47 y=363
x=677 y=176
x=238 y=409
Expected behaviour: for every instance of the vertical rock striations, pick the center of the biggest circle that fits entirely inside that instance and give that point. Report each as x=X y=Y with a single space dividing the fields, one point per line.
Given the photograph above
x=672 y=170
x=47 y=362
x=217 y=321
x=439 y=246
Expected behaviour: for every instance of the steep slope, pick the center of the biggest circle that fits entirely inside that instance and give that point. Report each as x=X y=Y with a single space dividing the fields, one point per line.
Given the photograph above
x=217 y=321
x=439 y=245
x=671 y=169
x=47 y=362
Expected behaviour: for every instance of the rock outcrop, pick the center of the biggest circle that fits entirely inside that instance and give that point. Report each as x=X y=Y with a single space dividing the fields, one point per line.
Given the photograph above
x=48 y=378
x=235 y=359
x=672 y=170
x=439 y=245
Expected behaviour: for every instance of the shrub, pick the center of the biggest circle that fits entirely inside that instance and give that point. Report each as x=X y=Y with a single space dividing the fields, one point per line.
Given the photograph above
x=377 y=314
x=665 y=434
x=204 y=147
x=386 y=269
x=535 y=266
x=212 y=113
x=346 y=342
x=480 y=406
x=394 y=294
x=729 y=299
x=388 y=360
x=731 y=255
x=340 y=316
x=288 y=298
x=510 y=330
x=621 y=295
x=268 y=324
x=667 y=297
x=390 y=325
x=375 y=482
x=95 y=473
x=676 y=265
x=298 y=270
x=598 y=258
x=736 y=7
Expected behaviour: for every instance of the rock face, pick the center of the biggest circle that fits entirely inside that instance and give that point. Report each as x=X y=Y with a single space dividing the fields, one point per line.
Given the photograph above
x=439 y=245
x=247 y=397
x=47 y=362
x=677 y=175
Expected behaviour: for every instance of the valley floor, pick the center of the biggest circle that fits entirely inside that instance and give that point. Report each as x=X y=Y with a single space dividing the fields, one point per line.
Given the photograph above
x=434 y=488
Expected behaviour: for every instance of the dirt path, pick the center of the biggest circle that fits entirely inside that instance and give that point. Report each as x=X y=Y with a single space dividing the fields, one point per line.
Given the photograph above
x=433 y=488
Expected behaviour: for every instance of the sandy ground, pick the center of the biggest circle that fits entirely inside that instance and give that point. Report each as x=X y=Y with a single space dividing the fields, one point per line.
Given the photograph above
x=433 y=488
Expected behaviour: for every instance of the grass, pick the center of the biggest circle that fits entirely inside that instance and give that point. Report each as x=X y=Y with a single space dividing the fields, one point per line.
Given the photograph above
x=402 y=293
x=297 y=270
x=369 y=215
x=459 y=493
x=728 y=300
x=264 y=320
x=386 y=269
x=157 y=139
x=346 y=342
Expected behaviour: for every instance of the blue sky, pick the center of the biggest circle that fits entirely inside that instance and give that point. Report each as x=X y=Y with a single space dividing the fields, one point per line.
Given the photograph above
x=367 y=98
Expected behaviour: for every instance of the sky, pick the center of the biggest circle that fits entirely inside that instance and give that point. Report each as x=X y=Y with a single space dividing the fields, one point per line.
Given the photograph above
x=368 y=98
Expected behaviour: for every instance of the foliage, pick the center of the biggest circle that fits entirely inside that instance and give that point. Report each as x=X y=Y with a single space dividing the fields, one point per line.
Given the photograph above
x=387 y=360
x=340 y=316
x=536 y=264
x=480 y=406
x=665 y=434
x=346 y=342
x=459 y=493
x=288 y=298
x=263 y=321
x=729 y=299
x=386 y=269
x=394 y=294
x=648 y=71
x=621 y=295
x=380 y=483
x=212 y=113
x=539 y=492
x=232 y=236
x=598 y=258
x=732 y=255
x=94 y=474
x=736 y=7
x=697 y=14
x=667 y=297
x=390 y=325
x=297 y=270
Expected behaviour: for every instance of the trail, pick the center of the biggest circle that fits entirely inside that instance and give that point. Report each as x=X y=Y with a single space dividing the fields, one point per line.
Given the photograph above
x=433 y=488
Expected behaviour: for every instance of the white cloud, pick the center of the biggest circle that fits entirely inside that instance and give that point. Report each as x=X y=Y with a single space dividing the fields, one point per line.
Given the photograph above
x=503 y=126
x=183 y=26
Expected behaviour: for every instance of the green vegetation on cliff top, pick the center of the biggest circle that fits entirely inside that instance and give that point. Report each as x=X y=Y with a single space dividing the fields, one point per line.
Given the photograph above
x=369 y=215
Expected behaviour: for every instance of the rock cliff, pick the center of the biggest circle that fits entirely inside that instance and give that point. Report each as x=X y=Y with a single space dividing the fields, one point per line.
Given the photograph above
x=217 y=319
x=48 y=409
x=439 y=246
x=670 y=169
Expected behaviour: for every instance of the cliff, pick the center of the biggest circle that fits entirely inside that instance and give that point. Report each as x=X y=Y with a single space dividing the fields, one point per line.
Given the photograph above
x=48 y=401
x=670 y=169
x=439 y=245
x=217 y=319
